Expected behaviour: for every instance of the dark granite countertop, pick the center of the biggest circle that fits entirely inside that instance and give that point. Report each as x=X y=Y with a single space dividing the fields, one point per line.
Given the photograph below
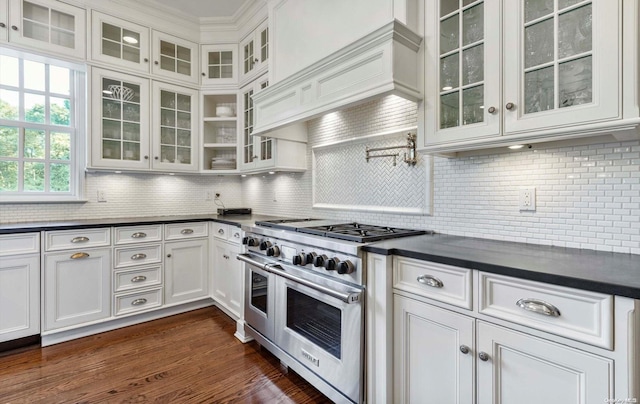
x=605 y=272
x=234 y=220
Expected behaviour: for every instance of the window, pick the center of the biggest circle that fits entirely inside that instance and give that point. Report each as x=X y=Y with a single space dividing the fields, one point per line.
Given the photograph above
x=41 y=131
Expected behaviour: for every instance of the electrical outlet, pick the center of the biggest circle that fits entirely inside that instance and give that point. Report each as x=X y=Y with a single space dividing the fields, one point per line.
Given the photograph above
x=207 y=196
x=102 y=197
x=527 y=198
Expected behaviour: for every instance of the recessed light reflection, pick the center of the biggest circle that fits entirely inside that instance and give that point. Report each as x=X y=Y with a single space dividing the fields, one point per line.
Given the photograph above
x=447 y=88
x=130 y=40
x=516 y=146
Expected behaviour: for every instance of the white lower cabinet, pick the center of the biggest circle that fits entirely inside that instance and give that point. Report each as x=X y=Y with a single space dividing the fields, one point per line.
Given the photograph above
x=227 y=277
x=77 y=287
x=19 y=297
x=186 y=270
x=437 y=352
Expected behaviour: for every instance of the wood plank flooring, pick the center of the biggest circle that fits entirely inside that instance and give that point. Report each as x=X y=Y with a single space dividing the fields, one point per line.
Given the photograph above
x=187 y=358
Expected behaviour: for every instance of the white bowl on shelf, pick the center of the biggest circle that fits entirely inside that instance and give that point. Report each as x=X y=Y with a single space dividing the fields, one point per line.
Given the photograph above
x=224 y=111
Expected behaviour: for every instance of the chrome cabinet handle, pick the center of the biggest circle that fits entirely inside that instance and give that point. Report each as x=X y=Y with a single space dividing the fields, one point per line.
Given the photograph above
x=430 y=281
x=186 y=231
x=79 y=255
x=139 y=235
x=138 y=302
x=538 y=306
x=2 y=25
x=82 y=239
x=139 y=278
x=483 y=356
x=510 y=106
x=220 y=231
x=13 y=27
x=491 y=110
x=464 y=349
x=139 y=256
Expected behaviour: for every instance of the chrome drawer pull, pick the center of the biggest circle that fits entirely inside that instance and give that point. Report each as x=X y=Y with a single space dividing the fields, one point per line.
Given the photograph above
x=139 y=278
x=430 y=281
x=140 y=256
x=80 y=239
x=220 y=231
x=79 y=255
x=139 y=235
x=186 y=231
x=538 y=306
x=138 y=302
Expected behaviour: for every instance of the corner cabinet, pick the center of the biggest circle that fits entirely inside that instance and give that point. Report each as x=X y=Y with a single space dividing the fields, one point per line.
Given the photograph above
x=254 y=49
x=123 y=113
x=45 y=25
x=174 y=58
x=551 y=68
x=219 y=112
x=260 y=153
x=219 y=65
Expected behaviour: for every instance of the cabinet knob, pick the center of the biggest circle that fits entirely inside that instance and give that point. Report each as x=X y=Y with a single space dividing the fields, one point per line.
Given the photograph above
x=491 y=110
x=156 y=158
x=3 y=25
x=483 y=356
x=155 y=62
x=510 y=106
x=204 y=74
x=146 y=60
x=13 y=27
x=168 y=255
x=464 y=349
x=146 y=157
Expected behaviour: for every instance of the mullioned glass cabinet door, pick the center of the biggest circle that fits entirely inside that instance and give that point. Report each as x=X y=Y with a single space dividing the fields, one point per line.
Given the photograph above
x=175 y=141
x=462 y=69
x=120 y=42
x=120 y=120
x=561 y=63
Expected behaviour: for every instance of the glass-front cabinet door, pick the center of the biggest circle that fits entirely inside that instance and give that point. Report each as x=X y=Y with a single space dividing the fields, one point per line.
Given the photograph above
x=120 y=120
x=561 y=62
x=120 y=42
x=175 y=141
x=174 y=57
x=47 y=25
x=254 y=51
x=257 y=151
x=219 y=65
x=462 y=69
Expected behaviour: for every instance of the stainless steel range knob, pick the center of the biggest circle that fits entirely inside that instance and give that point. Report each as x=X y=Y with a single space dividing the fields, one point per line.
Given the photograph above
x=299 y=259
x=273 y=251
x=250 y=241
x=309 y=258
x=319 y=260
x=265 y=244
x=346 y=267
x=331 y=264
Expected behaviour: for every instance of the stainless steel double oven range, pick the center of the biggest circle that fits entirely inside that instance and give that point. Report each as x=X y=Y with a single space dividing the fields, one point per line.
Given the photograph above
x=304 y=297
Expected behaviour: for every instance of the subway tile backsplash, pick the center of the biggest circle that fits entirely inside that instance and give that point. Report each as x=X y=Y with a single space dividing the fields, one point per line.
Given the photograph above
x=587 y=196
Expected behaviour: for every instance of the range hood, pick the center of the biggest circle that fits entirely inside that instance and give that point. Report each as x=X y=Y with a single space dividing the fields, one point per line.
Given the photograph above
x=387 y=61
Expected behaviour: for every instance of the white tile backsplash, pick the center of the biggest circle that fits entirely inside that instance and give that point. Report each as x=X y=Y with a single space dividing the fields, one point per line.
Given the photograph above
x=588 y=196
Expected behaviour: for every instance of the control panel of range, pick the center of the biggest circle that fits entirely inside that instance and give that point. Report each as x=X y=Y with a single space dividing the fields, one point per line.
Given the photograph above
x=328 y=262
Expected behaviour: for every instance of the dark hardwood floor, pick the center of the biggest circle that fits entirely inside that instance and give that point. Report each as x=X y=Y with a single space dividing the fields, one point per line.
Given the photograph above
x=187 y=358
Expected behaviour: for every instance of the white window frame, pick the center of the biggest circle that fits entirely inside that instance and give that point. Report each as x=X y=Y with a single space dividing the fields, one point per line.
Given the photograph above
x=78 y=130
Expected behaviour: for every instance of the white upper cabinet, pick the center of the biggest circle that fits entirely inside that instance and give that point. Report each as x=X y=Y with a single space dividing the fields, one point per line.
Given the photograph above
x=45 y=25
x=254 y=51
x=175 y=140
x=120 y=121
x=119 y=42
x=550 y=68
x=219 y=64
x=174 y=58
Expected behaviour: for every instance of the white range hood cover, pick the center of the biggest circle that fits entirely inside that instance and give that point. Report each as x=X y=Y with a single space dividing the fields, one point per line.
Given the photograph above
x=382 y=63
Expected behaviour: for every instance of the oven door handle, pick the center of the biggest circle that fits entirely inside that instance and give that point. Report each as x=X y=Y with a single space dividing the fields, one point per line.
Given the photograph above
x=347 y=297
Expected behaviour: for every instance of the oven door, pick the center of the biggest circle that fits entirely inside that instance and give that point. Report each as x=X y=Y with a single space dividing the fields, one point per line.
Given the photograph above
x=259 y=298
x=322 y=331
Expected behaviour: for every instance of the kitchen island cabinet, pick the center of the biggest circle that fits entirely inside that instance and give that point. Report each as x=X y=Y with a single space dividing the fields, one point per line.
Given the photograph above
x=19 y=286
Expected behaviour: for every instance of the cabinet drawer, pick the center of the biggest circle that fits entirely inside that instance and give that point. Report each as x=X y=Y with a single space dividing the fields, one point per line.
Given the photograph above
x=177 y=231
x=137 y=234
x=137 y=278
x=227 y=232
x=138 y=255
x=74 y=239
x=444 y=283
x=573 y=313
x=138 y=301
x=21 y=243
